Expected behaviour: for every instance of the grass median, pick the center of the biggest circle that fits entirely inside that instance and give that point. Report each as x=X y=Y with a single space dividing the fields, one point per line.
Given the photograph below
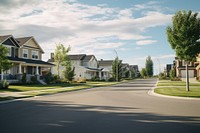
x=177 y=88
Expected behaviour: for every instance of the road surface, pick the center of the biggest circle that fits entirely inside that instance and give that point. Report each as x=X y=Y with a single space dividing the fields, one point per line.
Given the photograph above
x=123 y=108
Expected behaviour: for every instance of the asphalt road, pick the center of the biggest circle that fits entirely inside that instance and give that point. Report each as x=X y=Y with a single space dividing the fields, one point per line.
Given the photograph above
x=123 y=108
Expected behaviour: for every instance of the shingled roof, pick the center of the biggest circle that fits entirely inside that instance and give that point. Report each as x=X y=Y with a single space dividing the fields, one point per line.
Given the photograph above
x=22 y=40
x=3 y=38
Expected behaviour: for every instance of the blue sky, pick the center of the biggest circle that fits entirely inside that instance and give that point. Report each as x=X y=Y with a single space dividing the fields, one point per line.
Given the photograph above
x=134 y=28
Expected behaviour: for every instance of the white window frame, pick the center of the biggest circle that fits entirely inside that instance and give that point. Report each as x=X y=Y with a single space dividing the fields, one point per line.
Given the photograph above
x=35 y=54
x=25 y=51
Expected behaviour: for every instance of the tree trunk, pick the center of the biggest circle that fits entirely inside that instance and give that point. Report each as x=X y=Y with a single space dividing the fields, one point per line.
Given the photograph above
x=187 y=78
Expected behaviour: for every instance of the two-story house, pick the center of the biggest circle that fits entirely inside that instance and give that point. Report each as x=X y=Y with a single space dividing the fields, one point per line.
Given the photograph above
x=107 y=68
x=26 y=57
x=86 y=66
x=181 y=70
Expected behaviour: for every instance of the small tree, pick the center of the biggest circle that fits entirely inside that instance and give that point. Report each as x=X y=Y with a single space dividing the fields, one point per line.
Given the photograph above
x=68 y=71
x=60 y=56
x=127 y=74
x=172 y=73
x=4 y=62
x=149 y=66
x=117 y=69
x=183 y=37
x=143 y=73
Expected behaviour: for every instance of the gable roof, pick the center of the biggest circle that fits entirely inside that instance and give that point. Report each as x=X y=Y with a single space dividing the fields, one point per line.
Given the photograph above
x=77 y=57
x=6 y=37
x=105 y=62
x=23 y=40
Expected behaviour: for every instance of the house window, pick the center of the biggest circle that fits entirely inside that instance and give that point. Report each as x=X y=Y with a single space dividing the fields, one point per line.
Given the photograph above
x=25 y=53
x=34 y=54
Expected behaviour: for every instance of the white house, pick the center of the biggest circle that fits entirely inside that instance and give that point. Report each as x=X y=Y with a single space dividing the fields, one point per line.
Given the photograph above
x=86 y=66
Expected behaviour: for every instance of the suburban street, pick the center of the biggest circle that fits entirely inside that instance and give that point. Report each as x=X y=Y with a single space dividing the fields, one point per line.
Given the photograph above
x=122 y=108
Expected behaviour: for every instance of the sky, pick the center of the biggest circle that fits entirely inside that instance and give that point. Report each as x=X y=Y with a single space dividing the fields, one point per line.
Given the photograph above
x=134 y=29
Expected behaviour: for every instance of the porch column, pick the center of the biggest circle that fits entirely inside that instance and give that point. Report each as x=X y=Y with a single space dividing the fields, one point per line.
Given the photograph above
x=20 y=68
x=37 y=70
x=100 y=75
x=37 y=73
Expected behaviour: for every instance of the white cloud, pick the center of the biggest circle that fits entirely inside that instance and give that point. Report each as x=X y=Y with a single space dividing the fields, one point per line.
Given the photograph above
x=145 y=42
x=76 y=24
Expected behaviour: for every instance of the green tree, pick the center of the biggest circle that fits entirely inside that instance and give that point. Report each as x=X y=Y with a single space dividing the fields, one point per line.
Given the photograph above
x=127 y=74
x=143 y=73
x=4 y=62
x=149 y=66
x=60 y=56
x=68 y=71
x=183 y=37
x=172 y=73
x=117 y=69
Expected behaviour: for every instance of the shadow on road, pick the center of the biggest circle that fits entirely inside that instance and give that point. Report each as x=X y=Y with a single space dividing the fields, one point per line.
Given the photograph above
x=66 y=117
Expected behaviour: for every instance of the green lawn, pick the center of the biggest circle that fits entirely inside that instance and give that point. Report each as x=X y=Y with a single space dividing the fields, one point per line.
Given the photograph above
x=175 y=83
x=38 y=89
x=179 y=91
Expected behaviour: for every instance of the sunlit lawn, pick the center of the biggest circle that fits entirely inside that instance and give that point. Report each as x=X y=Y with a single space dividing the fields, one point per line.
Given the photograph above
x=179 y=91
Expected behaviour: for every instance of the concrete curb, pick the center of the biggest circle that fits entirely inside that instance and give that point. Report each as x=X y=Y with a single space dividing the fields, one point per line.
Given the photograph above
x=152 y=93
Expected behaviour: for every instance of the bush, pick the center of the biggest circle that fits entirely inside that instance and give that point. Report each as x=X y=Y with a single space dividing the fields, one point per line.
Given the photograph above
x=34 y=79
x=111 y=79
x=24 y=78
x=82 y=80
x=4 y=84
x=175 y=79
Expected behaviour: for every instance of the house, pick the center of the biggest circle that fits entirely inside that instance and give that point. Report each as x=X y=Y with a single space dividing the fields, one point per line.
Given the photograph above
x=125 y=68
x=197 y=65
x=86 y=66
x=168 y=68
x=181 y=71
x=135 y=70
x=25 y=54
x=107 y=67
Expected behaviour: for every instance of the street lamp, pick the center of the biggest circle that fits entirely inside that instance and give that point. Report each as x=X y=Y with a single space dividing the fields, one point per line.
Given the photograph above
x=116 y=66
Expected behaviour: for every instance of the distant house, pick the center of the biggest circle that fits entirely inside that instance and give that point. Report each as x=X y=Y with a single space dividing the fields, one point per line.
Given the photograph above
x=135 y=69
x=86 y=66
x=197 y=64
x=107 y=67
x=181 y=71
x=25 y=54
x=125 y=68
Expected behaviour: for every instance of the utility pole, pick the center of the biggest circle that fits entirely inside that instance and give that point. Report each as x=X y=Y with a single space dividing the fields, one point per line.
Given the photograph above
x=116 y=66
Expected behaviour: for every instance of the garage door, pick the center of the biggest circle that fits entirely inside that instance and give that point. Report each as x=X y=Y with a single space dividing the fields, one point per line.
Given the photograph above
x=190 y=72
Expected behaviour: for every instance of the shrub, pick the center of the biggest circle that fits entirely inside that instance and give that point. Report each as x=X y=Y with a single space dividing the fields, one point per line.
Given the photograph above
x=4 y=84
x=23 y=78
x=111 y=79
x=34 y=79
x=82 y=80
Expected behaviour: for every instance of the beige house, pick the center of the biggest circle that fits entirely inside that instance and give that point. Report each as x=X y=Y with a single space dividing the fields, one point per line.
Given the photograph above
x=26 y=57
x=197 y=63
x=86 y=66
x=181 y=71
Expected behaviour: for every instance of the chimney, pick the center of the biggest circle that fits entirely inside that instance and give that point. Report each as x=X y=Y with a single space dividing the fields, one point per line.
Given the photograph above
x=52 y=55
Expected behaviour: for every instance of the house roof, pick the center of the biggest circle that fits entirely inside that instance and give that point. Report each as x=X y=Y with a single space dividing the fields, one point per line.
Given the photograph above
x=6 y=37
x=40 y=62
x=88 y=57
x=77 y=57
x=3 y=38
x=105 y=62
x=22 y=40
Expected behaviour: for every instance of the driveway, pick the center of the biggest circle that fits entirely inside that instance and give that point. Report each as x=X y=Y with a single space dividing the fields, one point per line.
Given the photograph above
x=122 y=108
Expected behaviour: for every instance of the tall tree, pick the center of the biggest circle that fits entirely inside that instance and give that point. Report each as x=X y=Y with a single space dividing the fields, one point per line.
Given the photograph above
x=117 y=69
x=149 y=66
x=4 y=62
x=183 y=37
x=60 y=56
